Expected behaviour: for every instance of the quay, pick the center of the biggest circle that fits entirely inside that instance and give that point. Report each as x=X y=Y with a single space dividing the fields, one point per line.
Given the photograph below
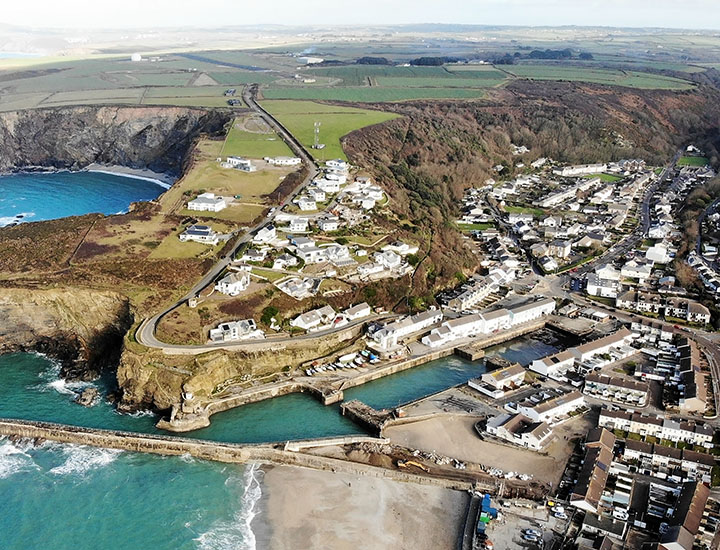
x=187 y=417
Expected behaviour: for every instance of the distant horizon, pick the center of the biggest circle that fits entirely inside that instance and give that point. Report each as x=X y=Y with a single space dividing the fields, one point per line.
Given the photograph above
x=184 y=14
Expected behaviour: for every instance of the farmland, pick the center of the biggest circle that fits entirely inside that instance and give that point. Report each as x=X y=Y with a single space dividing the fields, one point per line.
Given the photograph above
x=300 y=116
x=614 y=77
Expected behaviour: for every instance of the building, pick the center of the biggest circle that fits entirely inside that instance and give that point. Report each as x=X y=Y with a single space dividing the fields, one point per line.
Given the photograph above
x=606 y=288
x=506 y=378
x=554 y=366
x=552 y=408
x=306 y=204
x=602 y=345
x=201 y=234
x=328 y=223
x=265 y=234
x=357 y=311
x=233 y=283
x=616 y=389
x=559 y=248
x=593 y=475
x=283 y=161
x=687 y=516
x=580 y=170
x=239 y=163
x=207 y=202
x=236 y=330
x=692 y=433
x=389 y=336
x=519 y=430
x=314 y=319
x=298 y=225
x=531 y=311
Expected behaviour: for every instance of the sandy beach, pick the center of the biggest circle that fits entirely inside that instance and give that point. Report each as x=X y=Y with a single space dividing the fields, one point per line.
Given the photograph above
x=310 y=509
x=143 y=173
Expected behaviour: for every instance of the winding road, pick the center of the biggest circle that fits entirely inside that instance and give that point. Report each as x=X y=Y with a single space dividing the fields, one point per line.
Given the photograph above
x=145 y=333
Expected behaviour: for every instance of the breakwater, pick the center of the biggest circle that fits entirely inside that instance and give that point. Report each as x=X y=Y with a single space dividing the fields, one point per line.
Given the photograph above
x=216 y=451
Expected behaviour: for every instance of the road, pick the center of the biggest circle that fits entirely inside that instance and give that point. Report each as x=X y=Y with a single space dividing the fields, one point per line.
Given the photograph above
x=146 y=332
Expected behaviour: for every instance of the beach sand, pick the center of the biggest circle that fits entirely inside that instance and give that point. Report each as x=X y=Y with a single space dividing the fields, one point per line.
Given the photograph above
x=311 y=510
x=136 y=172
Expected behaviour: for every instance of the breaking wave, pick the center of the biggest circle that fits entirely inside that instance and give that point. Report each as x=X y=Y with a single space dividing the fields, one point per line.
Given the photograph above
x=14 y=459
x=237 y=533
x=51 y=381
x=18 y=218
x=80 y=460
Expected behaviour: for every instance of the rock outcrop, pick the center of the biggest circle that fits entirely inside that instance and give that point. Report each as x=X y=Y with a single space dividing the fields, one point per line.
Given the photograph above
x=84 y=329
x=156 y=138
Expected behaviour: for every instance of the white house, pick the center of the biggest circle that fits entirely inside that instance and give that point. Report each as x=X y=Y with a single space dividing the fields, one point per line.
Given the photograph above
x=236 y=330
x=207 y=202
x=284 y=260
x=302 y=242
x=388 y=259
x=337 y=164
x=233 y=283
x=519 y=430
x=239 y=163
x=328 y=185
x=265 y=234
x=555 y=407
x=298 y=225
x=496 y=320
x=283 y=161
x=531 y=311
x=357 y=311
x=314 y=319
x=658 y=254
x=328 y=223
x=401 y=248
x=554 y=366
x=312 y=254
x=637 y=270
x=201 y=234
x=306 y=204
x=318 y=195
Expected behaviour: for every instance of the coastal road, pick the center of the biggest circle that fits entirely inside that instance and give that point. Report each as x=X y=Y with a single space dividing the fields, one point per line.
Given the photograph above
x=146 y=332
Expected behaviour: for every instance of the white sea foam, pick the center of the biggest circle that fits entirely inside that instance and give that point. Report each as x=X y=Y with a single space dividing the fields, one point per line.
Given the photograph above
x=80 y=460
x=237 y=533
x=7 y=220
x=51 y=381
x=14 y=459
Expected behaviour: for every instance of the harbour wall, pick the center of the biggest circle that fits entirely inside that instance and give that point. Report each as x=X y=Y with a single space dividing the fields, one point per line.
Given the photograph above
x=217 y=451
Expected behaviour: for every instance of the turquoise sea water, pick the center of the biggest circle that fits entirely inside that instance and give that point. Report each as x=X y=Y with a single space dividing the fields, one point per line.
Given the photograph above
x=59 y=497
x=46 y=196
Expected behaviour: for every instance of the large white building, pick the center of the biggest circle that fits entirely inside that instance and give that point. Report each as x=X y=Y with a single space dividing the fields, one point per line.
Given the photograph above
x=389 y=336
x=233 y=283
x=207 y=202
x=236 y=330
x=519 y=430
x=283 y=161
x=201 y=234
x=580 y=170
x=553 y=408
x=314 y=319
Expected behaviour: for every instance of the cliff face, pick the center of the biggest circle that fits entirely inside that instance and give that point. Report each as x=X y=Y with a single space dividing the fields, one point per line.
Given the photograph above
x=82 y=328
x=158 y=138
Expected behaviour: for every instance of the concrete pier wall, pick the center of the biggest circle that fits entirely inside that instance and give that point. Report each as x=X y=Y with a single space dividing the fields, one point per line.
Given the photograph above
x=216 y=451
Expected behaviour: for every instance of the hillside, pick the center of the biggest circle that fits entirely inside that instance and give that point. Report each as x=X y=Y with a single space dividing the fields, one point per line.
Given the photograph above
x=438 y=149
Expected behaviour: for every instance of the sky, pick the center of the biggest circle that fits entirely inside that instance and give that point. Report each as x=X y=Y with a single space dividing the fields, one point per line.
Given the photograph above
x=700 y=14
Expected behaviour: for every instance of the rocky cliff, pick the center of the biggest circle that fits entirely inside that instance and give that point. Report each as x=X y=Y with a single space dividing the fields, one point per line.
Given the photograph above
x=157 y=138
x=82 y=328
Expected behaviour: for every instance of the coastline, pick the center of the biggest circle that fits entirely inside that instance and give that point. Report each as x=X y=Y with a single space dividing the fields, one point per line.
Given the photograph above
x=302 y=508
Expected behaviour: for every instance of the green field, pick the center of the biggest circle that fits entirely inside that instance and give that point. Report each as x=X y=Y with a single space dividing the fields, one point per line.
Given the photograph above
x=609 y=178
x=299 y=118
x=256 y=144
x=693 y=161
x=371 y=94
x=612 y=77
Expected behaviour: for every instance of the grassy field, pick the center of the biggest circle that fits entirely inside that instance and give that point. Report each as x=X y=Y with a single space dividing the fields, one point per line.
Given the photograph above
x=692 y=161
x=601 y=76
x=524 y=210
x=474 y=226
x=299 y=117
x=371 y=94
x=608 y=178
x=259 y=143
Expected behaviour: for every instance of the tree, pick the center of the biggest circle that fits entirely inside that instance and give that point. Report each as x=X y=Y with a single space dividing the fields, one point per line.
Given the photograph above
x=413 y=259
x=267 y=315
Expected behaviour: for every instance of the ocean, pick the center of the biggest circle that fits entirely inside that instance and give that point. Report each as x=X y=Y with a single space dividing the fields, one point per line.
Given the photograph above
x=59 y=497
x=37 y=196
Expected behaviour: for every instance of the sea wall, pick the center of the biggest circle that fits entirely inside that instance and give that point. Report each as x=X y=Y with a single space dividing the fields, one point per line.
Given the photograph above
x=210 y=450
